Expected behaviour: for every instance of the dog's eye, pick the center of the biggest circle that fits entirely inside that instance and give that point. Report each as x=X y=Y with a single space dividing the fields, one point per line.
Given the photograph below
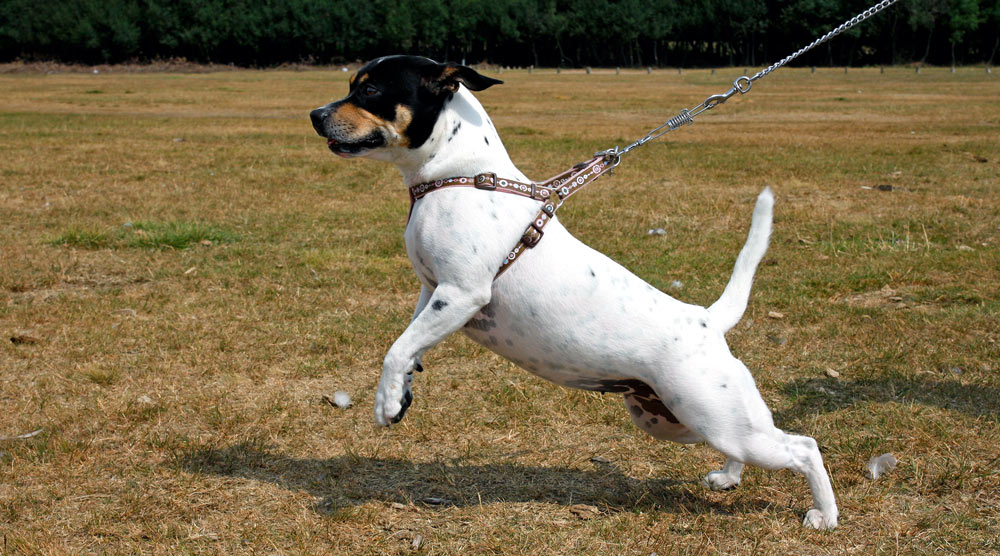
x=369 y=90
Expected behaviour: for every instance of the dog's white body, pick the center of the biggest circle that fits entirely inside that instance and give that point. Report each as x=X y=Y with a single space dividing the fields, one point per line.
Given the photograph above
x=571 y=315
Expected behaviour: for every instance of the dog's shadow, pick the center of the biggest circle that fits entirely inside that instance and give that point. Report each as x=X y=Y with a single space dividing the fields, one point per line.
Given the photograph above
x=352 y=480
x=822 y=395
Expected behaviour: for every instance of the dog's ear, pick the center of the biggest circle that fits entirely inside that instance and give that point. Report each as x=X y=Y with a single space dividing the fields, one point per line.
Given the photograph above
x=441 y=78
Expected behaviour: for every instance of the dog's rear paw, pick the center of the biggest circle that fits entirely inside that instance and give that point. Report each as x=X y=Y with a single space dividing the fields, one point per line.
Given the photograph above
x=720 y=480
x=815 y=519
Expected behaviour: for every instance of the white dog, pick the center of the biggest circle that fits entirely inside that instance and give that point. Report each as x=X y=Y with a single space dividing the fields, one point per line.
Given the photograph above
x=563 y=311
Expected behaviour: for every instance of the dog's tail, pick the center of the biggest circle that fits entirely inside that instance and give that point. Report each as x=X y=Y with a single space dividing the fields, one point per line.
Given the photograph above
x=728 y=310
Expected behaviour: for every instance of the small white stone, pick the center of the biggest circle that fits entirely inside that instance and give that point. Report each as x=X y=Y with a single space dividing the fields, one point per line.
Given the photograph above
x=341 y=399
x=676 y=284
x=880 y=465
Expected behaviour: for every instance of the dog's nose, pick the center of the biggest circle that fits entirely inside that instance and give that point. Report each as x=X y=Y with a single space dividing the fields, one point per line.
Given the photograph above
x=318 y=117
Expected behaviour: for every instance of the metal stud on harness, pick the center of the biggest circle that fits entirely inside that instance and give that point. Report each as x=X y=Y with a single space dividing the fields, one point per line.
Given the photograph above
x=554 y=191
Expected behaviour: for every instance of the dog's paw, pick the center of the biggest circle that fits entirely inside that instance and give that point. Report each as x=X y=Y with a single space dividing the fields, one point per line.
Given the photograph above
x=720 y=480
x=815 y=519
x=392 y=399
x=390 y=410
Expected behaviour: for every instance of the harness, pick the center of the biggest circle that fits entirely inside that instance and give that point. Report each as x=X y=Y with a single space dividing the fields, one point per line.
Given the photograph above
x=552 y=192
x=555 y=190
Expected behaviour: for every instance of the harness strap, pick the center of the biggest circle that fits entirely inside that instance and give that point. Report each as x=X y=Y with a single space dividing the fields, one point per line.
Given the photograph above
x=551 y=192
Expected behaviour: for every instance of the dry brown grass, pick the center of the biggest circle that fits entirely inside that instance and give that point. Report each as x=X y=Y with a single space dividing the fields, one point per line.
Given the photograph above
x=180 y=388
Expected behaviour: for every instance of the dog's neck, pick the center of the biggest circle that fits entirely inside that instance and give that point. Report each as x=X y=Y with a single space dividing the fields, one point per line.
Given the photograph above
x=464 y=142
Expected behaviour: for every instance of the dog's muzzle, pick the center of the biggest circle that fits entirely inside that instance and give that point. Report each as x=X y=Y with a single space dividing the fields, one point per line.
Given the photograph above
x=334 y=135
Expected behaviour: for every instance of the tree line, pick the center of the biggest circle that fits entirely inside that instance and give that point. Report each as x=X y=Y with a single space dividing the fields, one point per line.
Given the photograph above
x=563 y=33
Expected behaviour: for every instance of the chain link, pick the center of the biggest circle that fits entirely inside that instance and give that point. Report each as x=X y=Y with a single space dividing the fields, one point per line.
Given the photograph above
x=741 y=85
x=843 y=27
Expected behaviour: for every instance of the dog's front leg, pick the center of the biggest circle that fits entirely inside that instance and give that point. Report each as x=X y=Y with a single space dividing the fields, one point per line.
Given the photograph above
x=425 y=296
x=446 y=310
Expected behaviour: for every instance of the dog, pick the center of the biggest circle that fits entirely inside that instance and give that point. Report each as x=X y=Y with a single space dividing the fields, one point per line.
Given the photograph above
x=563 y=311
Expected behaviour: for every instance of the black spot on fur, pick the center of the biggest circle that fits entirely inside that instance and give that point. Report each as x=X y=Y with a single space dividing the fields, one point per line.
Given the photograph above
x=481 y=324
x=454 y=130
x=704 y=324
x=636 y=410
x=485 y=139
x=636 y=390
x=438 y=305
x=592 y=275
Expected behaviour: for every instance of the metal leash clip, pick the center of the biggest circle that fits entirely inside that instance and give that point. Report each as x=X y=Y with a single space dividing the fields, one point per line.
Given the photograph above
x=613 y=155
x=741 y=86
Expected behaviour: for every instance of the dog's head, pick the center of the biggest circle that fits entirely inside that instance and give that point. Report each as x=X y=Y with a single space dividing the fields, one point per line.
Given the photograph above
x=393 y=102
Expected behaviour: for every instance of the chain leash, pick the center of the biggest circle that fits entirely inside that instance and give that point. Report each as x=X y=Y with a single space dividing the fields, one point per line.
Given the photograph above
x=741 y=85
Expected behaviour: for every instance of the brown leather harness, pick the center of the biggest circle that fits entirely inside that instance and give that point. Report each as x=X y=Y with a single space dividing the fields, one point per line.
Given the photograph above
x=551 y=192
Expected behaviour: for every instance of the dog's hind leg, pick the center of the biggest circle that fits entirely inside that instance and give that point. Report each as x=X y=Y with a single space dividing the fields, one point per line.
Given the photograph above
x=728 y=411
x=776 y=449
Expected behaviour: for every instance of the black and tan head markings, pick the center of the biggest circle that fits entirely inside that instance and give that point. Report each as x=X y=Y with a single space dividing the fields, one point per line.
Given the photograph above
x=393 y=101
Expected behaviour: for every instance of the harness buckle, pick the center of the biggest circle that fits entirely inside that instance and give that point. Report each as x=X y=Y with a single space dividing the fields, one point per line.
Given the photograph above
x=532 y=235
x=486 y=181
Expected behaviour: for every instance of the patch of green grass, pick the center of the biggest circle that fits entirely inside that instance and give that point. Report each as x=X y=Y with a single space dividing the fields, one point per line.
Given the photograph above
x=147 y=235
x=83 y=238
x=175 y=235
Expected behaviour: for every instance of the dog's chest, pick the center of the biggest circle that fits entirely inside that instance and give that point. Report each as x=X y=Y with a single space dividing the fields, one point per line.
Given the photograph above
x=453 y=234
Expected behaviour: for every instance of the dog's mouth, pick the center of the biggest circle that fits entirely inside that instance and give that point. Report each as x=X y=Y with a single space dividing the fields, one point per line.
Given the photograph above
x=348 y=149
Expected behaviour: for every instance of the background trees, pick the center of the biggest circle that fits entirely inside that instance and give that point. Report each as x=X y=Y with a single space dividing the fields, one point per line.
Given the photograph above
x=509 y=32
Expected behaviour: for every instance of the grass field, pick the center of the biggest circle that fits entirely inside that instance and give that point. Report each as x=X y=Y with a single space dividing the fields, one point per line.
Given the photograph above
x=185 y=272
